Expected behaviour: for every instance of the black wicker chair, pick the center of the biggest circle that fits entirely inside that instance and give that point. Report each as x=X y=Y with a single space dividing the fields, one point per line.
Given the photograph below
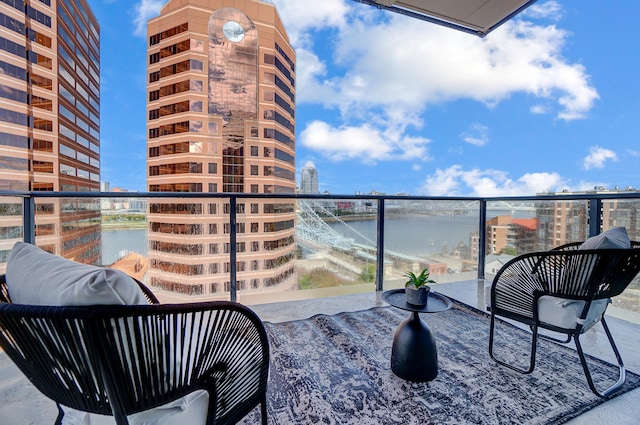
x=591 y=277
x=120 y=360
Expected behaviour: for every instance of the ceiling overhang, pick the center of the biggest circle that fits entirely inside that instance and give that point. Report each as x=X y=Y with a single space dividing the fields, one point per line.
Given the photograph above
x=478 y=17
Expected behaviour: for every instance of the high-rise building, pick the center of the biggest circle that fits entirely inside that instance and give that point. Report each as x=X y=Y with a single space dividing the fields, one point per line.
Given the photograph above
x=221 y=119
x=309 y=179
x=50 y=122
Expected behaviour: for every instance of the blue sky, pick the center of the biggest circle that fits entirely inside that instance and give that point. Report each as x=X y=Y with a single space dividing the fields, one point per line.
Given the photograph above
x=548 y=101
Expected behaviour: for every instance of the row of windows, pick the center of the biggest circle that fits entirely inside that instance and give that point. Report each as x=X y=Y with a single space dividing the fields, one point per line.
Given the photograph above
x=41 y=17
x=176 y=108
x=284 y=87
x=78 y=172
x=286 y=57
x=41 y=39
x=78 y=138
x=22 y=52
x=176 y=187
x=156 y=208
x=270 y=114
x=14 y=117
x=175 y=148
x=197 y=249
x=174 y=49
x=22 y=97
x=270 y=133
x=176 y=68
x=275 y=188
x=16 y=141
x=156 y=38
x=72 y=153
x=79 y=104
x=20 y=164
x=179 y=168
x=214 y=268
x=13 y=71
x=80 y=90
x=176 y=228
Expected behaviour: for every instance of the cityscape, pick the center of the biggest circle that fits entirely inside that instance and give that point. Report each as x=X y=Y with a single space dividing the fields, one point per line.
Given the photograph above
x=221 y=119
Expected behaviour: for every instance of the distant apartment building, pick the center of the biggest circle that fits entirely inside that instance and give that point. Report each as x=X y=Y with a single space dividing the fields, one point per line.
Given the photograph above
x=220 y=119
x=50 y=123
x=562 y=221
x=504 y=232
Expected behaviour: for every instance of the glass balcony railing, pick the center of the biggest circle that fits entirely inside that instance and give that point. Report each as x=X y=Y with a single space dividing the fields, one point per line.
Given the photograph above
x=256 y=248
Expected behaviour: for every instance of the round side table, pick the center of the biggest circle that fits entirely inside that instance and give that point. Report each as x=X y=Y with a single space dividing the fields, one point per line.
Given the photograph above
x=414 y=356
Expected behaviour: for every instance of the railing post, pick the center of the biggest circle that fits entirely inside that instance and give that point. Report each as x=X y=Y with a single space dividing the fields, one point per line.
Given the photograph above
x=232 y=247
x=595 y=216
x=28 y=219
x=380 y=251
x=482 y=237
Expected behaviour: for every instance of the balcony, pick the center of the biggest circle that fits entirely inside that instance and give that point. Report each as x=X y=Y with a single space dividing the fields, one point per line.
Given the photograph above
x=348 y=250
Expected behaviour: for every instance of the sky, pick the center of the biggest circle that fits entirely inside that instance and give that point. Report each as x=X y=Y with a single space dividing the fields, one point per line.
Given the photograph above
x=549 y=101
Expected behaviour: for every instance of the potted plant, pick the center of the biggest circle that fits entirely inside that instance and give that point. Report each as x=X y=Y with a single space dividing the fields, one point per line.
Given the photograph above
x=416 y=289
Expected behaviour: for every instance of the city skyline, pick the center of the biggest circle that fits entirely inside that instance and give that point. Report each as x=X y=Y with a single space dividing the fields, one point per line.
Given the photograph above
x=544 y=82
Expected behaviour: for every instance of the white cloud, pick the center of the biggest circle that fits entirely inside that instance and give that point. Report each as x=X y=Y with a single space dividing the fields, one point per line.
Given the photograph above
x=301 y=16
x=365 y=143
x=538 y=109
x=455 y=181
x=382 y=70
x=547 y=10
x=145 y=10
x=378 y=63
x=597 y=157
x=633 y=152
x=477 y=135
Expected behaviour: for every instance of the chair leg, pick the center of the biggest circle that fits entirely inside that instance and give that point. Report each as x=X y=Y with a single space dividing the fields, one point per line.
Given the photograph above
x=263 y=409
x=532 y=354
x=585 y=366
x=60 y=415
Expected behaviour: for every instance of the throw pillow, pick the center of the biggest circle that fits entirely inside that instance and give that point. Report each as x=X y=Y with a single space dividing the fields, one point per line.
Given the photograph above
x=37 y=277
x=615 y=237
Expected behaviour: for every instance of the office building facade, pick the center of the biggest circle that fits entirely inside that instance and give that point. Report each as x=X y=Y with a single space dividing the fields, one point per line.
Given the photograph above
x=50 y=122
x=220 y=119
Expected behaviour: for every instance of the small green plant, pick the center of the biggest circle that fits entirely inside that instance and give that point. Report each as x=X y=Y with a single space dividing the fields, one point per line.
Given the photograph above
x=418 y=280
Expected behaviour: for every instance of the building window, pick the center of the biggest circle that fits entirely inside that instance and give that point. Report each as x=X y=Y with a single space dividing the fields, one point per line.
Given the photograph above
x=254 y=209
x=254 y=151
x=254 y=170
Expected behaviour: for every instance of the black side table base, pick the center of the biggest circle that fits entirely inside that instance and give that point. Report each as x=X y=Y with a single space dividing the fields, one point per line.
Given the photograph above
x=414 y=356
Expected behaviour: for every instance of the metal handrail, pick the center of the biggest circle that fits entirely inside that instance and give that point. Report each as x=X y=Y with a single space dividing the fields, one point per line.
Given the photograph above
x=595 y=212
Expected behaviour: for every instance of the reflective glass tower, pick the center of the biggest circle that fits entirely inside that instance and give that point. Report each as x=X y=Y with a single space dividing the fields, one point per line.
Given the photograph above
x=50 y=122
x=221 y=119
x=309 y=179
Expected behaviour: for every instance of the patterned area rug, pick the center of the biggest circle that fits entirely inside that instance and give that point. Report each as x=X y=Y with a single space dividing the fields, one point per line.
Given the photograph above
x=336 y=370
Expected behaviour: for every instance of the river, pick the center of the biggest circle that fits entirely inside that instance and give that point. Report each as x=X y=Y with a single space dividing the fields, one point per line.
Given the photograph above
x=417 y=236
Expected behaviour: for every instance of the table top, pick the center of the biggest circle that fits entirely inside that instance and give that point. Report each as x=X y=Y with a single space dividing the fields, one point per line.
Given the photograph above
x=435 y=304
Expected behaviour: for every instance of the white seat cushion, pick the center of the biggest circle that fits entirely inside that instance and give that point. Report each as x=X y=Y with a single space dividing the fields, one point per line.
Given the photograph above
x=189 y=410
x=564 y=313
x=36 y=277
